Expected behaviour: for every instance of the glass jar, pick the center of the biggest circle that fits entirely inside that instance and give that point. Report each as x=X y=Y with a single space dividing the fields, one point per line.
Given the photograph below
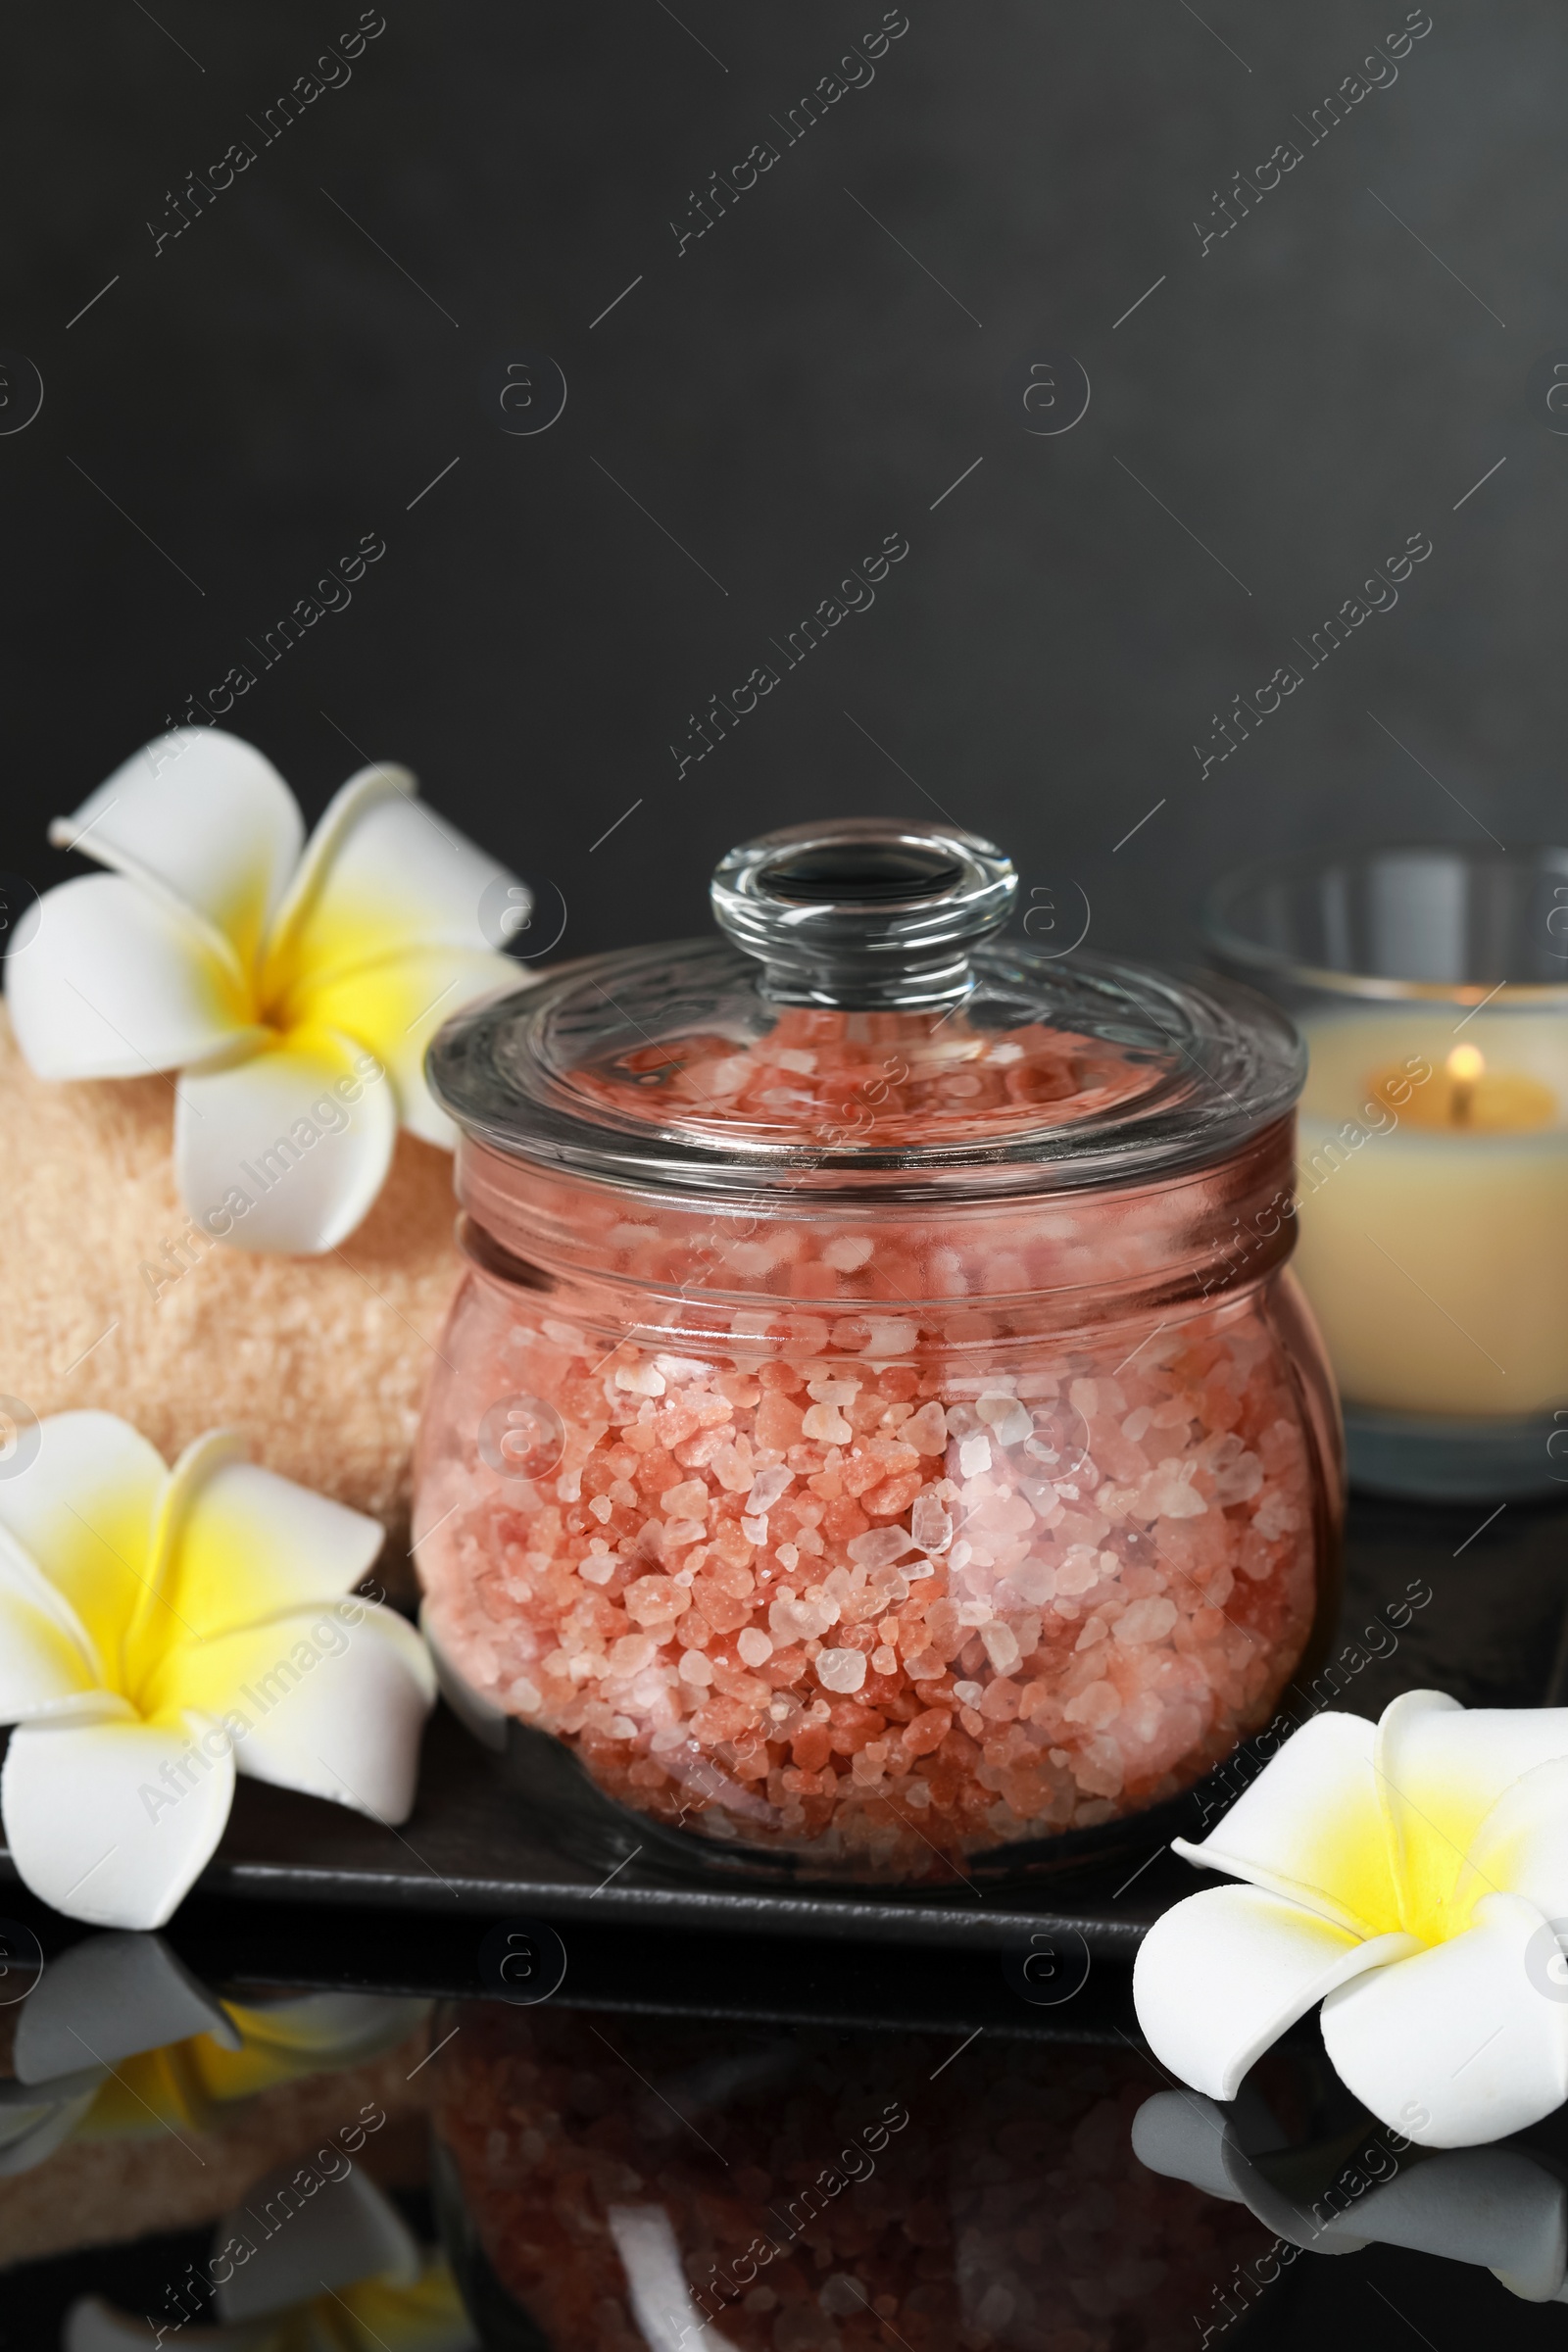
x=606 y=2182
x=876 y=1437
x=1430 y=992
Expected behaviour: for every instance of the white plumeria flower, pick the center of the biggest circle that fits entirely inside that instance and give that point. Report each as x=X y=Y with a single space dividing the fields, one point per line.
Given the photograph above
x=159 y=1628
x=1504 y=2208
x=119 y=2040
x=293 y=985
x=335 y=2270
x=1412 y=1875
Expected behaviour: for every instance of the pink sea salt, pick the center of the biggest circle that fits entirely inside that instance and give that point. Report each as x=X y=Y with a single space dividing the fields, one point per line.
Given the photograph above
x=1048 y=1652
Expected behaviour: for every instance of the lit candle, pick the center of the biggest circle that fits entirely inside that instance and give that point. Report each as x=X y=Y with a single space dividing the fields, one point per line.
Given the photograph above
x=1434 y=1207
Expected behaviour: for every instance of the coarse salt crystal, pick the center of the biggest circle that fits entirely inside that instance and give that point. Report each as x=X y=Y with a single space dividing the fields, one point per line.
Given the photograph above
x=695 y=1668
x=847 y=1251
x=827 y=1425
x=788 y=1556
x=1147 y=1620
x=598 y=1568
x=883 y=1660
x=791 y=1057
x=927 y=1430
x=930 y=1526
x=971 y=1694
x=974 y=1454
x=768 y=1488
x=1078 y=1571
x=755 y=1646
x=1098 y=1705
x=643 y=1380
x=841 y=1670
x=894 y=1338
x=833 y=1391
x=754 y=1530
x=1002 y=1646
x=1008 y=1420
x=879 y=1547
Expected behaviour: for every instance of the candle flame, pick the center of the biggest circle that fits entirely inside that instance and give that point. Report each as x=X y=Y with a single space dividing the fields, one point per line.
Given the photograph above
x=1465 y=1064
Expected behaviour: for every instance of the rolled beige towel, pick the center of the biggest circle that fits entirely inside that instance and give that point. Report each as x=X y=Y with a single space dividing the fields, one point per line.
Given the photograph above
x=107 y=1297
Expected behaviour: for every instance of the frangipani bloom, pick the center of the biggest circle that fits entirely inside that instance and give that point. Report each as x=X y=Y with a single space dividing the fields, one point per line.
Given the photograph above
x=159 y=1628
x=1412 y=1875
x=340 y=2274
x=293 y=985
x=1501 y=2208
x=119 y=2040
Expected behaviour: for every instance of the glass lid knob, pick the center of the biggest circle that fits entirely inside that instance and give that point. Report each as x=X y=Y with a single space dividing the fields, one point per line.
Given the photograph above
x=863 y=913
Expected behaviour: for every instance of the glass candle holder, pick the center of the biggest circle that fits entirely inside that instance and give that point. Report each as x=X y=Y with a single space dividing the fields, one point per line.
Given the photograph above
x=1430 y=986
x=858 y=1450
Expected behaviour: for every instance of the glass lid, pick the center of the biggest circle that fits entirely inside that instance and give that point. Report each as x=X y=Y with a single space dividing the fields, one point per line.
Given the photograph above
x=860 y=1024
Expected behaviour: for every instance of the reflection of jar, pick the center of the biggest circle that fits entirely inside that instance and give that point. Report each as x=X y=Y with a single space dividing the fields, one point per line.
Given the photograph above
x=800 y=2190
x=876 y=1429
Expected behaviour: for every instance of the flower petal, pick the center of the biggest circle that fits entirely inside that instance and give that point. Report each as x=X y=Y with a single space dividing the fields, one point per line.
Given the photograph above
x=341 y=2231
x=31 y=2135
x=103 y=982
x=246 y=1545
x=381 y=873
x=108 y=1998
x=1190 y=2139
x=92 y=1826
x=1521 y=1849
x=93 y=2326
x=1184 y=2136
x=84 y=1509
x=1457 y=2044
x=1496 y=2207
x=288 y=1150
x=1310 y=1828
x=316 y=1703
x=204 y=817
x=1220 y=1976
x=317 y=2032
x=1441 y=1768
x=40 y=1665
x=397 y=1006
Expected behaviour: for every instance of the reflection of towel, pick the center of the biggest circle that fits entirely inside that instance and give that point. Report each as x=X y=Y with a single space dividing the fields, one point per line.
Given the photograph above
x=661 y=2301
x=318 y=1360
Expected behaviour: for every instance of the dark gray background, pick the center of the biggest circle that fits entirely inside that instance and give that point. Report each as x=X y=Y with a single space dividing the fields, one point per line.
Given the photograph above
x=789 y=389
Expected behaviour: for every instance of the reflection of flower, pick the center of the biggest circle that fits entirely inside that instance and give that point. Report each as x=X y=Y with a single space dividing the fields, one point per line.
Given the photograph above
x=119 y=2040
x=156 y=1627
x=342 y=2273
x=1499 y=2207
x=294 y=986
x=1408 y=1875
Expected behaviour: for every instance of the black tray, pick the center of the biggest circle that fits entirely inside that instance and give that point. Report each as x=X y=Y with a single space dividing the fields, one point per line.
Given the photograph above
x=1490 y=1635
